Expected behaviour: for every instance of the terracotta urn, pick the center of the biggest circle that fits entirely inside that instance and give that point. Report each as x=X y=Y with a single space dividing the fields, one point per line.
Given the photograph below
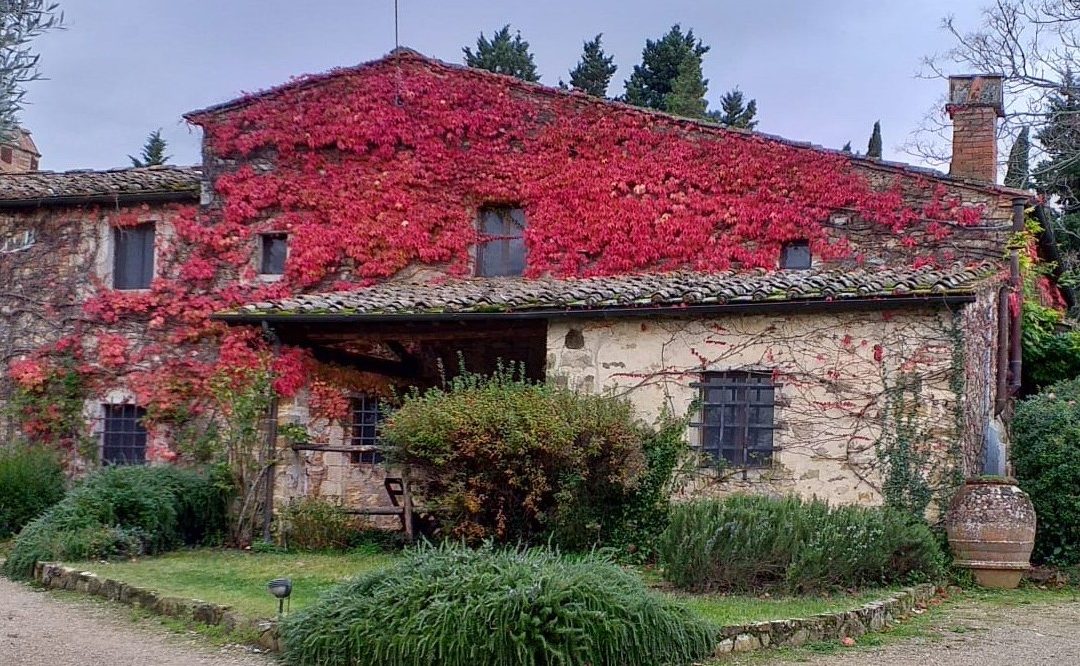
x=991 y=529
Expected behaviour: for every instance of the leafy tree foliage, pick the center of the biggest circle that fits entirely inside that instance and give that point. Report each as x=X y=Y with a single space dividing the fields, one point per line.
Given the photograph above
x=662 y=61
x=153 y=151
x=873 y=148
x=687 y=96
x=1046 y=456
x=1019 y=161
x=21 y=21
x=735 y=111
x=503 y=54
x=594 y=71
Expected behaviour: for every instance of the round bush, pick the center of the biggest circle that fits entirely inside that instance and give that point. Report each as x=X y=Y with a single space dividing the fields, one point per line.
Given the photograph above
x=123 y=511
x=458 y=607
x=1046 y=459
x=752 y=544
x=507 y=459
x=31 y=480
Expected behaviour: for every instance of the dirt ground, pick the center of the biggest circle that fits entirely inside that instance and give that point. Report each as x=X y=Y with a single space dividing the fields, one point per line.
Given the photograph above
x=42 y=629
x=968 y=633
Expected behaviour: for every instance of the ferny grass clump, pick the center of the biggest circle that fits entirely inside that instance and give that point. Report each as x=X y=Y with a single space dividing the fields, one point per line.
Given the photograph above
x=753 y=544
x=121 y=512
x=452 y=606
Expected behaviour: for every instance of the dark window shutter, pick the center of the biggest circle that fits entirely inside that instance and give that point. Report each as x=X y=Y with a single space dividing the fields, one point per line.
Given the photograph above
x=133 y=257
x=274 y=251
x=501 y=253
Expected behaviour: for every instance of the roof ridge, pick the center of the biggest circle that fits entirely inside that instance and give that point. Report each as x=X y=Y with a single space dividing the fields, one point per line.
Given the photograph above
x=406 y=53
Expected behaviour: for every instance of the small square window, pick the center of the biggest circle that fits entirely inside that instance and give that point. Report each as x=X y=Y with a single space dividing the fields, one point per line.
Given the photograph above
x=272 y=254
x=33 y=164
x=133 y=256
x=796 y=255
x=737 y=418
x=6 y=154
x=501 y=252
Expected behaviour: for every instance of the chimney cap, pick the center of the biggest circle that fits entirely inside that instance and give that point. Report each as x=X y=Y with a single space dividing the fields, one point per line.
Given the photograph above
x=976 y=90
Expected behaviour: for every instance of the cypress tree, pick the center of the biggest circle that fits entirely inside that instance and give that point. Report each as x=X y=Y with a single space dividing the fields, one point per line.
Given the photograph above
x=594 y=71
x=873 y=149
x=847 y=147
x=1019 y=158
x=661 y=63
x=503 y=54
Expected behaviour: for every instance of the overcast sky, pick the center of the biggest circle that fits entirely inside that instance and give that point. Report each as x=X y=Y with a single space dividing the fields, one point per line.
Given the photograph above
x=821 y=70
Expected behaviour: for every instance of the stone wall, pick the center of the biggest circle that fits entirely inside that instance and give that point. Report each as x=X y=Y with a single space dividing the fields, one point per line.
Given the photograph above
x=835 y=371
x=328 y=475
x=52 y=260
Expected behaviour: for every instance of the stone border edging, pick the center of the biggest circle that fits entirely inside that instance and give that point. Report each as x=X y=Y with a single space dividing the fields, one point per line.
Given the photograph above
x=59 y=577
x=795 y=632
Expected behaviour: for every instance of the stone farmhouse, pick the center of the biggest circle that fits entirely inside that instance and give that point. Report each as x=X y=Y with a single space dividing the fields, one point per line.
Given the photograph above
x=376 y=227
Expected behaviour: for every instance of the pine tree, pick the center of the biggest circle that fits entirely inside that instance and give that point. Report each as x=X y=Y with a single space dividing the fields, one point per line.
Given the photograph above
x=153 y=152
x=734 y=112
x=873 y=149
x=1019 y=161
x=594 y=71
x=661 y=61
x=503 y=54
x=687 y=96
x=846 y=148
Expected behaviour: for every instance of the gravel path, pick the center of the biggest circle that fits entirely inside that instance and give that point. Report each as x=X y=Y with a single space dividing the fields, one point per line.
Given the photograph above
x=974 y=634
x=40 y=629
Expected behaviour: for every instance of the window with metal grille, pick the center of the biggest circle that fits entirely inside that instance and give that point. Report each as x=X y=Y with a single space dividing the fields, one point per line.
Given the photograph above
x=133 y=257
x=274 y=251
x=6 y=154
x=123 y=437
x=501 y=252
x=737 y=418
x=796 y=255
x=366 y=411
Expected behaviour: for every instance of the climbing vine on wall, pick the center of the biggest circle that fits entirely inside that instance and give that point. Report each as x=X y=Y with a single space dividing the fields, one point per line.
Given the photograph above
x=376 y=169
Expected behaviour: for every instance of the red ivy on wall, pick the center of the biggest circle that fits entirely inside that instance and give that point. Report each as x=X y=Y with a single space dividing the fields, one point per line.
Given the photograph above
x=376 y=169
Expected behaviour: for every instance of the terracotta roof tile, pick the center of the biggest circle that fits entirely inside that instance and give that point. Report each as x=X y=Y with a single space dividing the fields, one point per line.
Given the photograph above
x=661 y=290
x=52 y=186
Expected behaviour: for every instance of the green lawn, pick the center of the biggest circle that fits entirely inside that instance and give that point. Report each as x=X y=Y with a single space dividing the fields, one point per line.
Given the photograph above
x=728 y=610
x=238 y=578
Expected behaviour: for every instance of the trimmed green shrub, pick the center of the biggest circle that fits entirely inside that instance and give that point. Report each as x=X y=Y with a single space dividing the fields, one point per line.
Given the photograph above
x=507 y=459
x=753 y=543
x=123 y=512
x=313 y=524
x=31 y=480
x=1046 y=459
x=455 y=606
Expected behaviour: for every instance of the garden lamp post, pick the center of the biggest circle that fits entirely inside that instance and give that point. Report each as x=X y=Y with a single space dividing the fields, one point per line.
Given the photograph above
x=280 y=588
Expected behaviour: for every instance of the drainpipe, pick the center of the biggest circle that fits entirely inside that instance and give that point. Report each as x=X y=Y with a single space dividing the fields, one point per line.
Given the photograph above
x=1015 y=281
x=1004 y=322
x=270 y=451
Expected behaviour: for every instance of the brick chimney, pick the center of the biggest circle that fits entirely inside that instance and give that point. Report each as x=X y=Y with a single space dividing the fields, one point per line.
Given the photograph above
x=975 y=104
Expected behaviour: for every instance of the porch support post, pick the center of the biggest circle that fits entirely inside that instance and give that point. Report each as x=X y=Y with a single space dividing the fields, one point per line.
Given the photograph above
x=270 y=451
